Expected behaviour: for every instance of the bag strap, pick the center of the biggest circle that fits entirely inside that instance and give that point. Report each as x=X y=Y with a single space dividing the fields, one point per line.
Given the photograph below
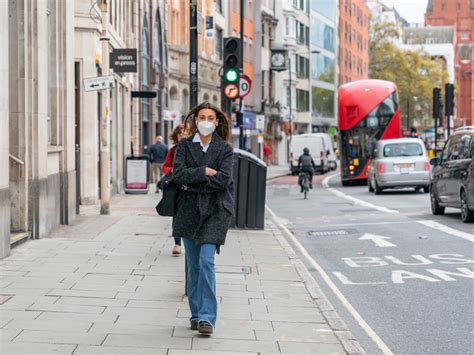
x=174 y=150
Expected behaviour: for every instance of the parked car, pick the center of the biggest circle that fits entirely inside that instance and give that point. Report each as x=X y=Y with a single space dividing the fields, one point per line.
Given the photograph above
x=320 y=149
x=452 y=180
x=399 y=163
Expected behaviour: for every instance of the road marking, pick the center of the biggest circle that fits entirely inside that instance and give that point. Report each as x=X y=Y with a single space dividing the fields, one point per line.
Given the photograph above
x=370 y=332
x=427 y=223
x=356 y=201
x=379 y=240
x=345 y=280
x=448 y=230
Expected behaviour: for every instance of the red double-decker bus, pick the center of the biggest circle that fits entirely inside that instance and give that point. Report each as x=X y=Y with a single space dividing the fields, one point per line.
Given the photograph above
x=368 y=111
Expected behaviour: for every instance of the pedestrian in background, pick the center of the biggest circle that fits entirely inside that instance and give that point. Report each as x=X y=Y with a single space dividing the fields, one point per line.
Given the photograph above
x=176 y=136
x=158 y=153
x=203 y=166
x=267 y=153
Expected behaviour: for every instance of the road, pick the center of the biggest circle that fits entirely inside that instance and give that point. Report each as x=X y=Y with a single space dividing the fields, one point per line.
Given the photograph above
x=406 y=273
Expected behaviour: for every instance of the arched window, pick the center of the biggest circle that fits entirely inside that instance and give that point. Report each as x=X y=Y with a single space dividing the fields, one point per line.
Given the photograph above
x=157 y=42
x=184 y=101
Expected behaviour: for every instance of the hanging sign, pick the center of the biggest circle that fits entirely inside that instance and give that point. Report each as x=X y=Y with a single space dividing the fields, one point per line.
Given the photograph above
x=124 y=60
x=209 y=34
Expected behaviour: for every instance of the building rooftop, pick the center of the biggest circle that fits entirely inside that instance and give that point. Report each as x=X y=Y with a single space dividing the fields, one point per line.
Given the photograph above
x=428 y=35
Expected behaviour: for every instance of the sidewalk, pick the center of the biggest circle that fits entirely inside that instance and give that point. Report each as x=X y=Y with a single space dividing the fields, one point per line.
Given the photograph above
x=108 y=284
x=275 y=171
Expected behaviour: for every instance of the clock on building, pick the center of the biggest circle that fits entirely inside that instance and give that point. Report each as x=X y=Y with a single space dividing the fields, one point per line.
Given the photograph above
x=278 y=60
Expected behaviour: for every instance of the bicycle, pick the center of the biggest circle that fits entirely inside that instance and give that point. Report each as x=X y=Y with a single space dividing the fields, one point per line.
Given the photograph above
x=304 y=184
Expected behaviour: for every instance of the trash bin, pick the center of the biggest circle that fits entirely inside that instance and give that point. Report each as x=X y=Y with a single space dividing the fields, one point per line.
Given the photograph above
x=250 y=181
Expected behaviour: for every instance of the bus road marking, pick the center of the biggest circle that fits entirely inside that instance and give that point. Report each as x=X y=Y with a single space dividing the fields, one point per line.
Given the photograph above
x=448 y=230
x=350 y=308
x=354 y=200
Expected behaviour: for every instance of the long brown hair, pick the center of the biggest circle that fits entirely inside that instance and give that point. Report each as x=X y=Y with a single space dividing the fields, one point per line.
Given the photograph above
x=223 y=126
x=176 y=132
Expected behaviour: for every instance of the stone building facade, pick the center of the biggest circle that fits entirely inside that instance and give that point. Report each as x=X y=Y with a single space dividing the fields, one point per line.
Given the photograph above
x=460 y=15
x=37 y=146
x=209 y=49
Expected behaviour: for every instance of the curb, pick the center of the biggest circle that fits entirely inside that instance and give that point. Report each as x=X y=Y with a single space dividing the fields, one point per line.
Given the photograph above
x=345 y=336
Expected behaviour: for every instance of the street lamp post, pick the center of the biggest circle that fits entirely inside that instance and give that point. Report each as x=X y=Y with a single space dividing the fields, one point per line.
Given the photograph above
x=104 y=120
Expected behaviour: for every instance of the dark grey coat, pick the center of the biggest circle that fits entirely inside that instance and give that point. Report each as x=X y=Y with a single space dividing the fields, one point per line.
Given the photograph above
x=205 y=208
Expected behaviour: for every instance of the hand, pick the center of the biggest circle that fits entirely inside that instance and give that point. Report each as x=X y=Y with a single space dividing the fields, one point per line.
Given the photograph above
x=210 y=172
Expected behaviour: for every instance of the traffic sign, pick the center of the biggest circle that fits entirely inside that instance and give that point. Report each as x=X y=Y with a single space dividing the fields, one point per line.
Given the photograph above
x=245 y=84
x=231 y=91
x=99 y=83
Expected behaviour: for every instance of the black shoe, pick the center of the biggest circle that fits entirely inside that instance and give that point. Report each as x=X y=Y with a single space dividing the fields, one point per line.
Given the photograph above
x=311 y=186
x=205 y=328
x=301 y=189
x=194 y=324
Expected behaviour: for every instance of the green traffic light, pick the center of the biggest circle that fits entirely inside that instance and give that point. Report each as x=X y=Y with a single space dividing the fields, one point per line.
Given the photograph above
x=231 y=75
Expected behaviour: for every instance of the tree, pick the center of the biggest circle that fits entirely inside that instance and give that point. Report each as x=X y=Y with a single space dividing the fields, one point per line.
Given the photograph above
x=414 y=72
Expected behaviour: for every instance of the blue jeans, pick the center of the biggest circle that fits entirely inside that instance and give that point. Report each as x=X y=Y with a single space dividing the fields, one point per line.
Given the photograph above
x=201 y=281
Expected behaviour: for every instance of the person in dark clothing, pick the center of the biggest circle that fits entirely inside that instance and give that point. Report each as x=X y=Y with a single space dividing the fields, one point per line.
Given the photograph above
x=158 y=152
x=176 y=136
x=306 y=165
x=204 y=168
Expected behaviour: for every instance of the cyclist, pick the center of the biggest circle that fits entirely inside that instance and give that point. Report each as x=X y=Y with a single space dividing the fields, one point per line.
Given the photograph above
x=306 y=165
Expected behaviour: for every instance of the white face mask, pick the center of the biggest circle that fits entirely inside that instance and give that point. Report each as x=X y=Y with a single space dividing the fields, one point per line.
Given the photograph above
x=206 y=128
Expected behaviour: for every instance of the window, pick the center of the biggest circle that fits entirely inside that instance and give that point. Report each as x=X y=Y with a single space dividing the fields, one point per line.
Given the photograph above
x=263 y=35
x=454 y=148
x=327 y=8
x=219 y=43
x=402 y=150
x=302 y=67
x=466 y=147
x=322 y=102
x=219 y=6
x=302 y=100
x=250 y=50
x=302 y=33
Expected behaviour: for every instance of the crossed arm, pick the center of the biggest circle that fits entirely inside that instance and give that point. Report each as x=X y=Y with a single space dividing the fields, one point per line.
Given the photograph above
x=203 y=179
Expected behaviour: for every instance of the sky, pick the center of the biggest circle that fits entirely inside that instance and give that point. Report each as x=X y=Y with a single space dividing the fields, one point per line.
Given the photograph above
x=412 y=10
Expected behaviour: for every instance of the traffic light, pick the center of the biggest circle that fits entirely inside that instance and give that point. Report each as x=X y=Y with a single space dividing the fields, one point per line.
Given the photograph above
x=232 y=65
x=449 y=99
x=436 y=103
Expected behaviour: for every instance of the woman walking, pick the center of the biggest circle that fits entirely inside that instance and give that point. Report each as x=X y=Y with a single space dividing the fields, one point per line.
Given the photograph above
x=203 y=166
x=176 y=136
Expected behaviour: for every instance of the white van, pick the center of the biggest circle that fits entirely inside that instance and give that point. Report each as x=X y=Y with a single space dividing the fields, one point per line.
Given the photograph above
x=330 y=154
x=320 y=148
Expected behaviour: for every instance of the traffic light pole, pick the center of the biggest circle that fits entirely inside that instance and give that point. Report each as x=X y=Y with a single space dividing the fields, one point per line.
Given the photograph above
x=193 y=55
x=240 y=114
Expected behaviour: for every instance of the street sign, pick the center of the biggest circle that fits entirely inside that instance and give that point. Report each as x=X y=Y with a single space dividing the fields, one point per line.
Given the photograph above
x=231 y=91
x=245 y=85
x=123 y=60
x=99 y=83
x=260 y=122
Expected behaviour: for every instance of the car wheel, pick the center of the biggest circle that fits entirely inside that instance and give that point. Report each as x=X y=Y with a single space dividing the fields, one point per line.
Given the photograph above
x=467 y=216
x=369 y=183
x=426 y=189
x=436 y=209
x=377 y=188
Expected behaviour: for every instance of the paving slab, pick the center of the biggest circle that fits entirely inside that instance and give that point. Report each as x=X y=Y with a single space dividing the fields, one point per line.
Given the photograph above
x=115 y=289
x=59 y=337
x=36 y=348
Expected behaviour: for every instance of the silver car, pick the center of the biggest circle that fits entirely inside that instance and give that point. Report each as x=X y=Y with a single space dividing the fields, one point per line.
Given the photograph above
x=398 y=163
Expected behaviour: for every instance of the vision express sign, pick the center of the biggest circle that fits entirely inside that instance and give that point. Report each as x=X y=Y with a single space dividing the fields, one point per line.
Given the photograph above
x=124 y=60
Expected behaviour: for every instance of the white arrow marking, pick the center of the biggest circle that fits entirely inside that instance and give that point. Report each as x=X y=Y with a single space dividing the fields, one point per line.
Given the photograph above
x=379 y=240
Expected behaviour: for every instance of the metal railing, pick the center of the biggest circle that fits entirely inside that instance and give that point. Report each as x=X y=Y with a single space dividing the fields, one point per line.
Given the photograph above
x=19 y=163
